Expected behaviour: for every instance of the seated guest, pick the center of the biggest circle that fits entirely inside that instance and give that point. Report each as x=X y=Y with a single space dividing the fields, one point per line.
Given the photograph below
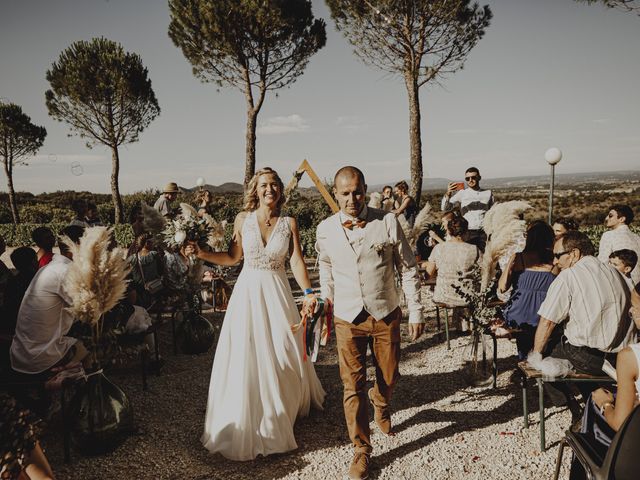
x=204 y=198
x=594 y=298
x=40 y=341
x=529 y=273
x=607 y=412
x=93 y=217
x=624 y=261
x=454 y=260
x=619 y=236
x=182 y=270
x=25 y=261
x=79 y=206
x=146 y=265
x=563 y=225
x=44 y=239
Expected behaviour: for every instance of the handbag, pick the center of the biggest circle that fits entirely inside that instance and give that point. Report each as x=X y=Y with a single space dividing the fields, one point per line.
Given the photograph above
x=152 y=286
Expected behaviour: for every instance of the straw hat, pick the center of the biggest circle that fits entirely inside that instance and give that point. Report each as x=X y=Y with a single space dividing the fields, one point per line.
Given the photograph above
x=171 y=187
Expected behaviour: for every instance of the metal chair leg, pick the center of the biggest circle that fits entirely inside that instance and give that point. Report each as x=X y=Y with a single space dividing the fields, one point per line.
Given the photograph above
x=495 y=360
x=446 y=327
x=559 y=459
x=438 y=317
x=541 y=407
x=525 y=402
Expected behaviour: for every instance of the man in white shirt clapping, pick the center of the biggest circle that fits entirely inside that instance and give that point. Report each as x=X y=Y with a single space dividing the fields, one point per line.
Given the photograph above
x=473 y=202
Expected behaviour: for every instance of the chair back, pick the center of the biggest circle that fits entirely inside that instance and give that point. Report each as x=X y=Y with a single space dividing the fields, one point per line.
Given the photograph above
x=622 y=460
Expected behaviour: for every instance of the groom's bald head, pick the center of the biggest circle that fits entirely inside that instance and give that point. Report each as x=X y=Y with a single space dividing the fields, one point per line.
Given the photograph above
x=349 y=172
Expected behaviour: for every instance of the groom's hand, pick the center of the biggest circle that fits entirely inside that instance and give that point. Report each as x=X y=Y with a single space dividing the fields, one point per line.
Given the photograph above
x=415 y=330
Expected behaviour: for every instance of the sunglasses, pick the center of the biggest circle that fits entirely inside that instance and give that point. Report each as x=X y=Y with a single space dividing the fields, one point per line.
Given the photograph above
x=467 y=179
x=559 y=254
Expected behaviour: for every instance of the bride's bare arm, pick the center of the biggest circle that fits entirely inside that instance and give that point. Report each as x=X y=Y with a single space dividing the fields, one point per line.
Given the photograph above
x=298 y=266
x=234 y=254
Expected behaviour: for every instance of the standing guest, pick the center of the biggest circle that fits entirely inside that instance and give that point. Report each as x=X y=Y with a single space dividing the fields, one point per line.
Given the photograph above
x=594 y=298
x=40 y=341
x=79 y=206
x=93 y=217
x=44 y=239
x=473 y=202
x=624 y=261
x=564 y=224
x=136 y=219
x=405 y=204
x=204 y=198
x=163 y=203
x=530 y=274
x=388 y=201
x=620 y=236
x=25 y=261
x=360 y=252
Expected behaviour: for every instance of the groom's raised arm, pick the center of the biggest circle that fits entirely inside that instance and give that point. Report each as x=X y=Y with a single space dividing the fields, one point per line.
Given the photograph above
x=405 y=263
x=324 y=264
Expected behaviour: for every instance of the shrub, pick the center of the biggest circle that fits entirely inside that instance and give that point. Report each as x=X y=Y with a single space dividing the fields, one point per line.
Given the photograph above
x=44 y=213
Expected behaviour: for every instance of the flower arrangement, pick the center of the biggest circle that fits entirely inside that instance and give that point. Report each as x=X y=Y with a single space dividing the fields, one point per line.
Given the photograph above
x=481 y=302
x=423 y=221
x=188 y=226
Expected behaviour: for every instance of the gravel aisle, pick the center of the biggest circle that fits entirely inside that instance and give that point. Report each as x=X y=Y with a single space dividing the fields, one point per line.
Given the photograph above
x=445 y=430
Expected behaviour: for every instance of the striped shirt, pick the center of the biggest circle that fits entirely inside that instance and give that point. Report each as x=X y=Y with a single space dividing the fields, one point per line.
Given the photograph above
x=594 y=296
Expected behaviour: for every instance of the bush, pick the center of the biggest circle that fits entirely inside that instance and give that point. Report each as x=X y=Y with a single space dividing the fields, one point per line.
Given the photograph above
x=20 y=235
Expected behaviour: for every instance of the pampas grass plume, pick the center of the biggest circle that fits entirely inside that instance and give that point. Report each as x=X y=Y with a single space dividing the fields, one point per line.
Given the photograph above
x=97 y=277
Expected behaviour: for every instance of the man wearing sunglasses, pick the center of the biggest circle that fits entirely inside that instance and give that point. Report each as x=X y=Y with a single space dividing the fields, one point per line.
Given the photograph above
x=593 y=297
x=473 y=202
x=619 y=236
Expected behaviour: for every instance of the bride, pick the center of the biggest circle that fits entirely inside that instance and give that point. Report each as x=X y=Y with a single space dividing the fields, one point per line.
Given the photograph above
x=260 y=382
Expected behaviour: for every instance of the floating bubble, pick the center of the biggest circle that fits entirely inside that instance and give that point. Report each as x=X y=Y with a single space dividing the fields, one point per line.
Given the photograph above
x=200 y=182
x=77 y=169
x=53 y=158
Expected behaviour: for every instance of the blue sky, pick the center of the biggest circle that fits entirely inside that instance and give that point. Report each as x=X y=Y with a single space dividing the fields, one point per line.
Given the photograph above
x=547 y=73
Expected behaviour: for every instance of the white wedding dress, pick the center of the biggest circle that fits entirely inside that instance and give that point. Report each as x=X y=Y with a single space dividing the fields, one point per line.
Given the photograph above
x=260 y=383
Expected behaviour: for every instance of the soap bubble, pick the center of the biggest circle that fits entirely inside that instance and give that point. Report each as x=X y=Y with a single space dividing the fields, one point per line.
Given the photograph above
x=77 y=169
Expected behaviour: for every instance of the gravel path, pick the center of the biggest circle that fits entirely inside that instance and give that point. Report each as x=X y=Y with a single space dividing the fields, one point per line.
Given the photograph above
x=445 y=430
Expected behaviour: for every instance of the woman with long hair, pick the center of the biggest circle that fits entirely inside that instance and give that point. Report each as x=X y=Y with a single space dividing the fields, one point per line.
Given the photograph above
x=260 y=382
x=204 y=199
x=405 y=204
x=530 y=273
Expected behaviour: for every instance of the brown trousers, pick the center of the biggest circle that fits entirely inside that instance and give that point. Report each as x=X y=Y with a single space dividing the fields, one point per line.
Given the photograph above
x=352 y=340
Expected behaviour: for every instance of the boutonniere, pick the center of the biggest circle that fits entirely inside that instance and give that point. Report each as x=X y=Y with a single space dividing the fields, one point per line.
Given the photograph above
x=379 y=247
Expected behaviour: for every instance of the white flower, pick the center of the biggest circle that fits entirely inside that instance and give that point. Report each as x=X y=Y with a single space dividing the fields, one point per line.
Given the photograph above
x=379 y=247
x=180 y=237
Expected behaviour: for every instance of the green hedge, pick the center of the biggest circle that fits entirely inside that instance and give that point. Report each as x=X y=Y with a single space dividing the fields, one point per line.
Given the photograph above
x=19 y=235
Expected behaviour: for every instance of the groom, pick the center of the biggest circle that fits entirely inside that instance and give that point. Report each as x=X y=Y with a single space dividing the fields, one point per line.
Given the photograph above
x=359 y=250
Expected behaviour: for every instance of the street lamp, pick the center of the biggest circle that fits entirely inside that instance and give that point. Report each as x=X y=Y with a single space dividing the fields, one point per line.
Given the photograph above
x=552 y=156
x=200 y=182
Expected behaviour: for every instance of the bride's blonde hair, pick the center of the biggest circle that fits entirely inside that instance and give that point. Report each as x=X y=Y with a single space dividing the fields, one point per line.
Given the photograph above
x=251 y=201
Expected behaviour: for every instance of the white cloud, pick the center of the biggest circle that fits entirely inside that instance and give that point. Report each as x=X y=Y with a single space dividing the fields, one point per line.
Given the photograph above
x=351 y=123
x=277 y=125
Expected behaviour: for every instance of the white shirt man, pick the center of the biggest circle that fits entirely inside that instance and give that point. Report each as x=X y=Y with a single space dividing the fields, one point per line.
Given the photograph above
x=43 y=321
x=620 y=237
x=473 y=202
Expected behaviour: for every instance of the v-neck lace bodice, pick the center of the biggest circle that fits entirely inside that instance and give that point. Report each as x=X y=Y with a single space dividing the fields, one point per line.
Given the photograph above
x=261 y=256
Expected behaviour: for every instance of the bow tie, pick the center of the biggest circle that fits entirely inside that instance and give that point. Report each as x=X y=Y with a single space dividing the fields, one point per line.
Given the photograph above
x=350 y=223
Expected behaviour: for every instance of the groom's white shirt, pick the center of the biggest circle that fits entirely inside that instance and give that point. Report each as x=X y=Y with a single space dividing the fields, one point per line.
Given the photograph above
x=357 y=267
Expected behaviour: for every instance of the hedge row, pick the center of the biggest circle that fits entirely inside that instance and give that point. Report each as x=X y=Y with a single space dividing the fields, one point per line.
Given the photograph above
x=18 y=235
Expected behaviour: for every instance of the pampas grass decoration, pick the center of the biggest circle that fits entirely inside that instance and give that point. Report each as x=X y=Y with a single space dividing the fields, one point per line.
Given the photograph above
x=97 y=277
x=504 y=229
x=188 y=211
x=421 y=224
x=216 y=236
x=152 y=220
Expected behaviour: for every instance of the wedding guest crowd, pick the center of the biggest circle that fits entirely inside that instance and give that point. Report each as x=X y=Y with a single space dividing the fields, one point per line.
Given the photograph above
x=619 y=236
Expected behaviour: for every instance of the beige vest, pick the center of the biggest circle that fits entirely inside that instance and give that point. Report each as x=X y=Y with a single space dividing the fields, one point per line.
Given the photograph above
x=363 y=281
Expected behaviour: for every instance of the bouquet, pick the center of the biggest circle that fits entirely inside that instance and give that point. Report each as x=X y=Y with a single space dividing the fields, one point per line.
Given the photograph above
x=188 y=226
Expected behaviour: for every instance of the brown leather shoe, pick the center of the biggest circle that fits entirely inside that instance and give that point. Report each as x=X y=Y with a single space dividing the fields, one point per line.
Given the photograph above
x=382 y=416
x=359 y=469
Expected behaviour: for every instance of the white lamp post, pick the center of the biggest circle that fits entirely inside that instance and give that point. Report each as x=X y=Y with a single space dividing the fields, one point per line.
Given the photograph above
x=200 y=182
x=552 y=156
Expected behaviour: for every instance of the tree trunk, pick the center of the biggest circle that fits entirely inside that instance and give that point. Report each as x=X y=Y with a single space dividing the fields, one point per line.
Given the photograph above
x=115 y=188
x=12 y=194
x=250 y=162
x=415 y=138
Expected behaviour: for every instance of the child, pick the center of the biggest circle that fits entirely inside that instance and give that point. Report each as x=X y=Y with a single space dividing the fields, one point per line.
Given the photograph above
x=624 y=261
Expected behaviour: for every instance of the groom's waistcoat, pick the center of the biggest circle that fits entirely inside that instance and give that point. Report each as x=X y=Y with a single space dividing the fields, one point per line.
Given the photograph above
x=363 y=280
